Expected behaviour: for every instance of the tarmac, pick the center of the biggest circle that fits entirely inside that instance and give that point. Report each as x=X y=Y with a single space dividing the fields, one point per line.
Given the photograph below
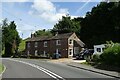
x=77 y=64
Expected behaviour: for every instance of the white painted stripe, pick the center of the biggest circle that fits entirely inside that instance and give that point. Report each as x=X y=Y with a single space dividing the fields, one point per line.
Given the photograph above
x=2 y=71
x=48 y=72
x=53 y=73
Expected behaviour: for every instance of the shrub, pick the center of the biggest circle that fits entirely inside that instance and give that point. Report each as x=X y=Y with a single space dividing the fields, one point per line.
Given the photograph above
x=111 y=55
x=96 y=58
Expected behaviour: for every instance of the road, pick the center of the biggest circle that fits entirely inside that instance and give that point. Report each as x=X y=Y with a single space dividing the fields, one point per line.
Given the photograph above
x=42 y=69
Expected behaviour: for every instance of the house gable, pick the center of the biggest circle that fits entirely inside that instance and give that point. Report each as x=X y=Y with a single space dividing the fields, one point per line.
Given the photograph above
x=76 y=39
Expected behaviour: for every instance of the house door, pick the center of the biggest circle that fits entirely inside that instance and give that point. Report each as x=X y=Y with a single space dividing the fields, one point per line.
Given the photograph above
x=76 y=50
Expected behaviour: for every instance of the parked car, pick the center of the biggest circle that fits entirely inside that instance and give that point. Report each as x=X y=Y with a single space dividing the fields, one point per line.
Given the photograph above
x=56 y=56
x=84 y=53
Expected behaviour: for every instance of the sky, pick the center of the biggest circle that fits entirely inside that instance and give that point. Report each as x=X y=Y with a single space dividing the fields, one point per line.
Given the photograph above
x=30 y=16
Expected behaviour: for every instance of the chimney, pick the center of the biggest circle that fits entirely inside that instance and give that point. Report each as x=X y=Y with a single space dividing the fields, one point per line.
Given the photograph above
x=32 y=35
x=56 y=33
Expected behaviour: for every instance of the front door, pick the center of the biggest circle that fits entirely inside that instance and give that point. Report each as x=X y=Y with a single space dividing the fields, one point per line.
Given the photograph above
x=76 y=50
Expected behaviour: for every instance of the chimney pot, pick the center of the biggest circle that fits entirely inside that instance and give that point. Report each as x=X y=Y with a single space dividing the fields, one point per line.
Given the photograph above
x=32 y=35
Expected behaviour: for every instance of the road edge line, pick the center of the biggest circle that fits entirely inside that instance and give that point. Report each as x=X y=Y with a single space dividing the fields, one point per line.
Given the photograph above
x=94 y=71
x=50 y=73
x=3 y=70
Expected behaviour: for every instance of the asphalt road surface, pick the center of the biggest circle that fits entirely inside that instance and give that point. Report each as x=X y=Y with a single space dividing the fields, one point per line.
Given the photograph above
x=42 y=69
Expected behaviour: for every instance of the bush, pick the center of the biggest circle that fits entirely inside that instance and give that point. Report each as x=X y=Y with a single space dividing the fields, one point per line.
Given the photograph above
x=96 y=58
x=111 y=55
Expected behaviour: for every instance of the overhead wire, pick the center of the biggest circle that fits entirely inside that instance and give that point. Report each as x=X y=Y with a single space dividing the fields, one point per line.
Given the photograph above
x=21 y=20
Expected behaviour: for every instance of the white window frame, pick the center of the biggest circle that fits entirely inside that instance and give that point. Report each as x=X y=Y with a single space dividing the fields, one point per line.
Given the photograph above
x=58 y=42
x=70 y=41
x=36 y=44
x=45 y=43
x=28 y=44
x=36 y=52
x=71 y=50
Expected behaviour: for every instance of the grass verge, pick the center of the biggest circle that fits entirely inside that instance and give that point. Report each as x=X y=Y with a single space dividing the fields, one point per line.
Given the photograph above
x=1 y=68
x=86 y=63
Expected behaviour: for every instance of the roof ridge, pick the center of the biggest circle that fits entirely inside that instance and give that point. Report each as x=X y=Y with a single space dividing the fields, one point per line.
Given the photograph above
x=68 y=33
x=59 y=36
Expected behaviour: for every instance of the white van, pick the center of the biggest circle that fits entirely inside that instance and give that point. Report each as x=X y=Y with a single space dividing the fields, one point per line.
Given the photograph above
x=98 y=49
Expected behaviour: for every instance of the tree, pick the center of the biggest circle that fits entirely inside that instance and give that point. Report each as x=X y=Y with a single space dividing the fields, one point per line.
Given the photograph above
x=66 y=25
x=43 y=33
x=101 y=24
x=0 y=40
x=10 y=38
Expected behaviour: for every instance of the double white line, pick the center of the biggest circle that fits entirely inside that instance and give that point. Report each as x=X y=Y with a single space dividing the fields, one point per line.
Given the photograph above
x=48 y=72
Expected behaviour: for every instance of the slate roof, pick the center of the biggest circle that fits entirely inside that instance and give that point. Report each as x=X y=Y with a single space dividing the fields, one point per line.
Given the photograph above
x=62 y=36
x=38 y=38
x=59 y=36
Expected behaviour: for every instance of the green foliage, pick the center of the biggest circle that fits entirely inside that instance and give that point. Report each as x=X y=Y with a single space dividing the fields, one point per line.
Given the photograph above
x=10 y=38
x=0 y=40
x=22 y=45
x=86 y=63
x=66 y=24
x=101 y=24
x=1 y=67
x=111 y=55
x=43 y=33
x=96 y=58
x=109 y=44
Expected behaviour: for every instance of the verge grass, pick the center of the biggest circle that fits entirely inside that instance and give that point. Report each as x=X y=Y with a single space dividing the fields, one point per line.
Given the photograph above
x=1 y=68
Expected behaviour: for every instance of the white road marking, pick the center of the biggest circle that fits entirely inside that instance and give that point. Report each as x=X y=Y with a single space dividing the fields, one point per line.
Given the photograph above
x=2 y=71
x=48 y=72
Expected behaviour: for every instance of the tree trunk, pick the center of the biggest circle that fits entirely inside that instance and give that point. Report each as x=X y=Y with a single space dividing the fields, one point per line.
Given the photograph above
x=8 y=50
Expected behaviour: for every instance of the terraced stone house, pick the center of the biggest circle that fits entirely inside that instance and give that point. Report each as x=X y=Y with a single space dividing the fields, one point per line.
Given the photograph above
x=67 y=45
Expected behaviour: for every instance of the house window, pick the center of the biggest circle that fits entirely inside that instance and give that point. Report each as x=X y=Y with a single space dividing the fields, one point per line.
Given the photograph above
x=36 y=52
x=28 y=44
x=70 y=41
x=70 y=51
x=58 y=42
x=75 y=37
x=45 y=44
x=36 y=44
x=98 y=49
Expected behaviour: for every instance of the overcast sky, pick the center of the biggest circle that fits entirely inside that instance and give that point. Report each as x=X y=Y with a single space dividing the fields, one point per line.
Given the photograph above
x=42 y=14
